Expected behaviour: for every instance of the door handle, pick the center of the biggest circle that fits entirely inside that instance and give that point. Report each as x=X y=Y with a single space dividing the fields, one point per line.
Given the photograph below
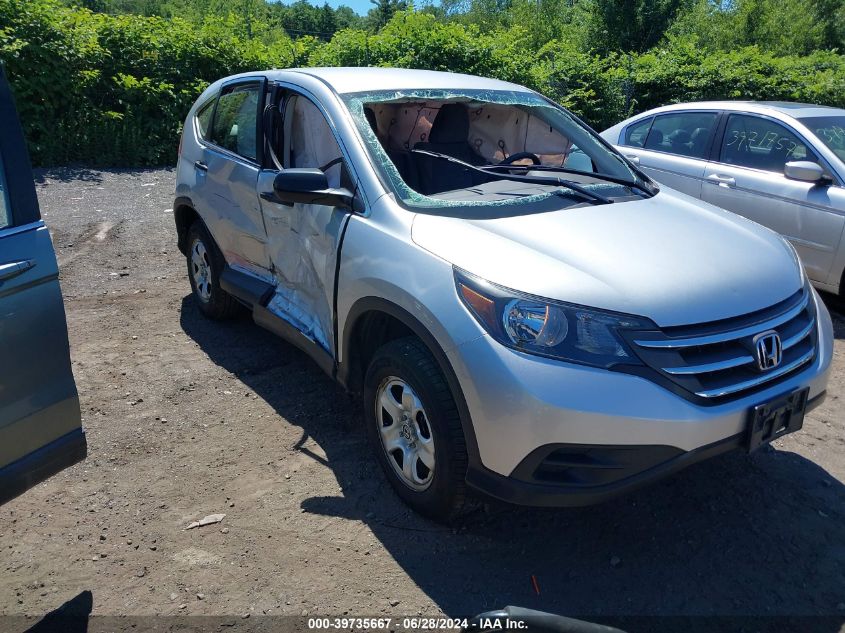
x=722 y=181
x=633 y=159
x=13 y=269
x=200 y=165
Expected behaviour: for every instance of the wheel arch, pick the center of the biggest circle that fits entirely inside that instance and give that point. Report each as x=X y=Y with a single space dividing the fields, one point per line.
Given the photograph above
x=184 y=214
x=372 y=322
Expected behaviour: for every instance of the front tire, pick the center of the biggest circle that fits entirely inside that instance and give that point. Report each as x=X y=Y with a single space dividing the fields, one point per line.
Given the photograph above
x=205 y=264
x=415 y=428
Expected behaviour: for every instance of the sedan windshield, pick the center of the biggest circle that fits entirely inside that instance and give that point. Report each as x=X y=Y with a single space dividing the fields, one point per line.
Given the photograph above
x=442 y=149
x=830 y=130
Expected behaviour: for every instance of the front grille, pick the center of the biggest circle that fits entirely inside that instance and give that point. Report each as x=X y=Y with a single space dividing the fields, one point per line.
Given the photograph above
x=717 y=361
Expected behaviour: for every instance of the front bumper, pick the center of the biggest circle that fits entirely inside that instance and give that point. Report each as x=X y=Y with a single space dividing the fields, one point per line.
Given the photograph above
x=647 y=464
x=524 y=407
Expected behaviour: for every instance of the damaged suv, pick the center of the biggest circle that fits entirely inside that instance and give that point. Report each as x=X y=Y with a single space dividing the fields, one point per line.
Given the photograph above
x=523 y=312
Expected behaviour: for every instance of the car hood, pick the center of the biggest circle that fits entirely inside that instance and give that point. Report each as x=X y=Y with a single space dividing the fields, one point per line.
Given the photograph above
x=670 y=258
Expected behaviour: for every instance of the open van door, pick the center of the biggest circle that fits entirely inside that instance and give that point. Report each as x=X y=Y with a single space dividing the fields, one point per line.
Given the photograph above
x=40 y=425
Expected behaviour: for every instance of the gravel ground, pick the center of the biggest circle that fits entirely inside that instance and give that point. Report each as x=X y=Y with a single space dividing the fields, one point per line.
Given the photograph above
x=186 y=418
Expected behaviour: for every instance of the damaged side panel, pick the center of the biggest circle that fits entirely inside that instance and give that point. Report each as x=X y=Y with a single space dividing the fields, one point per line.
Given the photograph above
x=302 y=242
x=303 y=239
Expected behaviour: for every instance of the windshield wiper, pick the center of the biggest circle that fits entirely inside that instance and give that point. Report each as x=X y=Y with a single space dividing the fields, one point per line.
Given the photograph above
x=537 y=180
x=599 y=176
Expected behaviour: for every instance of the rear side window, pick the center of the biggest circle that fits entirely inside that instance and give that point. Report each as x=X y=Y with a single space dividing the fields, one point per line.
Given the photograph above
x=636 y=134
x=236 y=119
x=204 y=118
x=684 y=133
x=752 y=141
x=5 y=207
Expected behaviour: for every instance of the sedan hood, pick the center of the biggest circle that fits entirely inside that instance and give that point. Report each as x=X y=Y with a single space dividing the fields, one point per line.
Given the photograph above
x=670 y=258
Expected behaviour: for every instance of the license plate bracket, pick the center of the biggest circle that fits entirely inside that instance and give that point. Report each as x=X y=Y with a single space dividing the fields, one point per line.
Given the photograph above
x=776 y=418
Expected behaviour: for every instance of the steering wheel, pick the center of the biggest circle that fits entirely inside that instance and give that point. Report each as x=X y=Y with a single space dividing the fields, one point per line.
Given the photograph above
x=519 y=156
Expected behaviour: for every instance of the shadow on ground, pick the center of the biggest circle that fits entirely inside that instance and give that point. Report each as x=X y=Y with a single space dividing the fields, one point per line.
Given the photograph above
x=739 y=535
x=70 y=617
x=89 y=176
x=67 y=174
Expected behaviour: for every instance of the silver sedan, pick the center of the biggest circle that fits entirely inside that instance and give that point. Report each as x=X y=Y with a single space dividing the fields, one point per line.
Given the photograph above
x=779 y=164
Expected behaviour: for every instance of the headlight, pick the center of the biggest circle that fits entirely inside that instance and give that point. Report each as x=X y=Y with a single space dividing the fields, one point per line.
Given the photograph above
x=549 y=328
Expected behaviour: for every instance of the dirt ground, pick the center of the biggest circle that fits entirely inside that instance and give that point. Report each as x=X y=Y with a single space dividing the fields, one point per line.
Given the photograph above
x=186 y=418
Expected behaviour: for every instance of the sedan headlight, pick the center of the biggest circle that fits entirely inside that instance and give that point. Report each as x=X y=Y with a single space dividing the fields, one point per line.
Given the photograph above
x=549 y=328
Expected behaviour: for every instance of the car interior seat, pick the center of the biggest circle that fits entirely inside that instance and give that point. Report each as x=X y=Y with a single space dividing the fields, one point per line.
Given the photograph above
x=698 y=141
x=679 y=142
x=449 y=135
x=401 y=159
x=654 y=140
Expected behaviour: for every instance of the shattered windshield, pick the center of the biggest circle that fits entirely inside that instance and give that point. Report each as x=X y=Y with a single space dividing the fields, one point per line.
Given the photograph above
x=439 y=148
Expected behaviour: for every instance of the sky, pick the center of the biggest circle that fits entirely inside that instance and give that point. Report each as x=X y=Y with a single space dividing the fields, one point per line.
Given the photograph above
x=359 y=6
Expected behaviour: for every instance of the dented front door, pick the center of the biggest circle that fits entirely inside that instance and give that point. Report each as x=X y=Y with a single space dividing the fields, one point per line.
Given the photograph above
x=303 y=239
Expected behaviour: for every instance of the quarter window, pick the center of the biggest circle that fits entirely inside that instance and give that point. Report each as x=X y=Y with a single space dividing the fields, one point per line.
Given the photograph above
x=752 y=141
x=204 y=117
x=636 y=134
x=830 y=130
x=684 y=133
x=5 y=207
x=236 y=119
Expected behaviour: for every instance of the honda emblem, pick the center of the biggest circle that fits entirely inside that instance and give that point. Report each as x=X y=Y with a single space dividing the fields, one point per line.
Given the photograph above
x=769 y=350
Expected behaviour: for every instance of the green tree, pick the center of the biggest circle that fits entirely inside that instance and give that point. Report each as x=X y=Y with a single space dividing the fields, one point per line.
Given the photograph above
x=303 y=18
x=785 y=27
x=327 y=22
x=630 y=25
x=383 y=10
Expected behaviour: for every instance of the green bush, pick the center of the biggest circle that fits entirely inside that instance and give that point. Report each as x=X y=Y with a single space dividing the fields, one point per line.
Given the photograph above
x=101 y=89
x=684 y=72
x=114 y=90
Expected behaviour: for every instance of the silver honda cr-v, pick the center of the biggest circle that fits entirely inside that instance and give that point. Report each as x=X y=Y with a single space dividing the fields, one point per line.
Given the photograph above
x=522 y=311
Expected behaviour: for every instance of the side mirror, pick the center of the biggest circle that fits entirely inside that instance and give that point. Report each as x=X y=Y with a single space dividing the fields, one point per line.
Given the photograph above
x=309 y=186
x=804 y=170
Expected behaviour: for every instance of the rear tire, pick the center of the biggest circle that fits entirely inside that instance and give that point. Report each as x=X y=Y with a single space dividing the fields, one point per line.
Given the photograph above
x=415 y=428
x=205 y=264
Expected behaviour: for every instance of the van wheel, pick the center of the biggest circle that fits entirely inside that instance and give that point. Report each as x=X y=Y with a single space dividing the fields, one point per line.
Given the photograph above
x=205 y=263
x=415 y=427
